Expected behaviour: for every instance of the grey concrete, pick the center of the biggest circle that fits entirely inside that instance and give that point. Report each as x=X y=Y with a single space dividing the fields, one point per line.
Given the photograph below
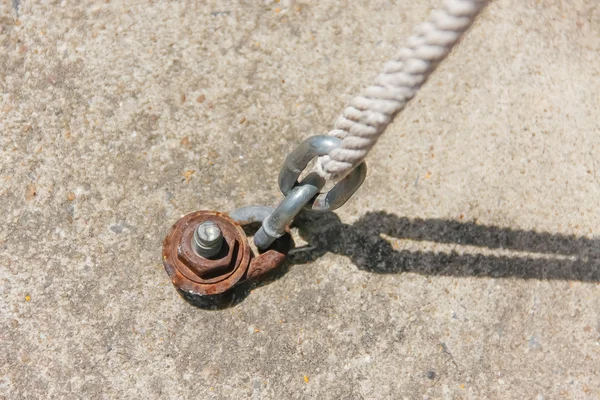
x=467 y=266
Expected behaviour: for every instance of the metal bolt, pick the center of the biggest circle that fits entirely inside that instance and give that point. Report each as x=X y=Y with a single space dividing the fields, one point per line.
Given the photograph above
x=208 y=239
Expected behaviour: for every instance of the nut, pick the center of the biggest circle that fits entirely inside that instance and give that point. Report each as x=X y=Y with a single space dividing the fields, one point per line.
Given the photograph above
x=197 y=275
x=206 y=268
x=204 y=281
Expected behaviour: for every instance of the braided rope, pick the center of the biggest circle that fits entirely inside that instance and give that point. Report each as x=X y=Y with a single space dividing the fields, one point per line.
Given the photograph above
x=361 y=124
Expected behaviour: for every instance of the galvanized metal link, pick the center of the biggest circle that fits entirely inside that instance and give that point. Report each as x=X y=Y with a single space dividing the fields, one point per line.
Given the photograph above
x=274 y=225
x=342 y=191
x=306 y=193
x=299 y=158
x=250 y=214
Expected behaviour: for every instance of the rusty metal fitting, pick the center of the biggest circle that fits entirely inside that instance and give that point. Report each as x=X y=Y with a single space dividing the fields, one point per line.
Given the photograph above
x=204 y=281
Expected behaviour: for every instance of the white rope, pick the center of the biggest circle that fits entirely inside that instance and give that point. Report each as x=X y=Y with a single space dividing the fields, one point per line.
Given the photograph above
x=361 y=124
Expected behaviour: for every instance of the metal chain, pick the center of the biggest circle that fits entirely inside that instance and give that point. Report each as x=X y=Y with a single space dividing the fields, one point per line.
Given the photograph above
x=306 y=194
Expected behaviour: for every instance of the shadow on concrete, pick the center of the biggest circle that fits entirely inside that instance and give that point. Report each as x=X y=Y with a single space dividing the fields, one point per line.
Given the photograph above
x=543 y=255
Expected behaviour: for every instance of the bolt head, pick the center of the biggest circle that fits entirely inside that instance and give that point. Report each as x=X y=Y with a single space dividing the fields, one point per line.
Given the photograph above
x=208 y=233
x=208 y=239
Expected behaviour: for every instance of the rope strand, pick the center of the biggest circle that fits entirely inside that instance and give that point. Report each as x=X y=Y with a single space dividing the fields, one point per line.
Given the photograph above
x=362 y=123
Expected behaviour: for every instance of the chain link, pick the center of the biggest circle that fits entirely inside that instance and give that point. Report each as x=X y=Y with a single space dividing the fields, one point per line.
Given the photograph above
x=306 y=194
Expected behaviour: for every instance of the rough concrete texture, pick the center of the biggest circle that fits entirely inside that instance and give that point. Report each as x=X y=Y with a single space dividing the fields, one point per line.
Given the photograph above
x=466 y=267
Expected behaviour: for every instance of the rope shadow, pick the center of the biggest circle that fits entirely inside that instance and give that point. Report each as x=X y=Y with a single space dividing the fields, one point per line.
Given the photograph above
x=550 y=256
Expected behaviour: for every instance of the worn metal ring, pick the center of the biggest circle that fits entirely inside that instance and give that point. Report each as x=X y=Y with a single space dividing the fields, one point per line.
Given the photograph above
x=250 y=214
x=274 y=225
x=299 y=158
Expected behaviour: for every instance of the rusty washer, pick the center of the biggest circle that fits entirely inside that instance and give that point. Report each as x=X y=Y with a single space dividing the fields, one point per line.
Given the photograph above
x=207 y=281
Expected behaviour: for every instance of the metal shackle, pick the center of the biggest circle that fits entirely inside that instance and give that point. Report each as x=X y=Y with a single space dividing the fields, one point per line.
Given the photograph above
x=274 y=225
x=299 y=158
x=305 y=194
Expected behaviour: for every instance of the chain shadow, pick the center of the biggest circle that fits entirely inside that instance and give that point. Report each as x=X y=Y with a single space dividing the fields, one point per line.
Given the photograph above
x=546 y=256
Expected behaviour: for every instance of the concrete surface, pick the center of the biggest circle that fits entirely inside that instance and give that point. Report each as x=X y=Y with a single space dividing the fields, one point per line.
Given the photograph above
x=467 y=267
